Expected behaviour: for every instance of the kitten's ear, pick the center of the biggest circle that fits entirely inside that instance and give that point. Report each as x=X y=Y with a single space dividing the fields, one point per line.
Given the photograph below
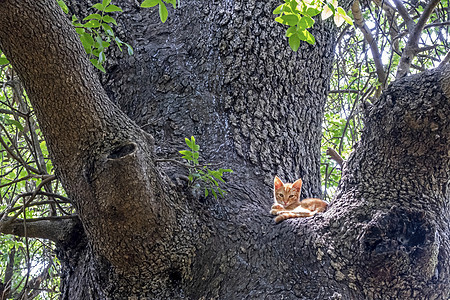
x=277 y=183
x=298 y=184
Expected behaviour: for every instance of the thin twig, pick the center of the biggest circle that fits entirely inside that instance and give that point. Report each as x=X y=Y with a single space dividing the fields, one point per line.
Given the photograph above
x=4 y=223
x=184 y=164
x=405 y=15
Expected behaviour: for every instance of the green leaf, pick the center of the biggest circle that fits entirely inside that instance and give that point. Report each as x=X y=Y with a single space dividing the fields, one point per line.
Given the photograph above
x=109 y=19
x=105 y=3
x=294 y=42
x=130 y=49
x=217 y=175
x=80 y=31
x=287 y=8
x=87 y=40
x=280 y=20
x=188 y=142
x=101 y=57
x=150 y=3
x=206 y=192
x=312 y=12
x=290 y=20
x=293 y=6
x=291 y=30
x=108 y=29
x=93 y=16
x=92 y=24
x=173 y=2
x=309 y=37
x=63 y=6
x=99 y=6
x=112 y=8
x=344 y=15
x=97 y=65
x=4 y=61
x=191 y=143
x=185 y=152
x=14 y=123
x=214 y=193
x=306 y=22
x=332 y=8
x=163 y=13
x=278 y=10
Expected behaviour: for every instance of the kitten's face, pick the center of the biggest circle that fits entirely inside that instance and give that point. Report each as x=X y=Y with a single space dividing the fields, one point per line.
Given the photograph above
x=287 y=193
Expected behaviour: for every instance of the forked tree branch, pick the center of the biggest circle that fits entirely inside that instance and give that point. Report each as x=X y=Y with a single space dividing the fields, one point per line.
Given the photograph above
x=411 y=49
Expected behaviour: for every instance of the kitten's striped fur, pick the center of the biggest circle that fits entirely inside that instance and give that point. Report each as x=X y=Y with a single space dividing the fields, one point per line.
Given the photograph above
x=287 y=202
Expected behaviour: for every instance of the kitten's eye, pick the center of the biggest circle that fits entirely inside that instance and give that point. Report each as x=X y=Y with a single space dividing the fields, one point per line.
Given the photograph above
x=291 y=196
x=280 y=195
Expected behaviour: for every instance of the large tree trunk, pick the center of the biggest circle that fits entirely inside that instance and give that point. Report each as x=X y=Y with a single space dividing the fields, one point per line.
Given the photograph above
x=219 y=71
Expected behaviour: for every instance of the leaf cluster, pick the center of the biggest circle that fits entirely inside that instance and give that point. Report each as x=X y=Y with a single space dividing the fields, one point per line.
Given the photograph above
x=96 y=32
x=163 y=12
x=202 y=176
x=298 y=15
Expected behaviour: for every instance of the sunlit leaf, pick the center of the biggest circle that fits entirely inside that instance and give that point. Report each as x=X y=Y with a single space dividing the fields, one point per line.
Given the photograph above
x=163 y=13
x=294 y=42
x=150 y=3
x=112 y=8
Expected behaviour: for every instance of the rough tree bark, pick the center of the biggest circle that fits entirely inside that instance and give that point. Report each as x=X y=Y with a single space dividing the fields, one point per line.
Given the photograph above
x=219 y=71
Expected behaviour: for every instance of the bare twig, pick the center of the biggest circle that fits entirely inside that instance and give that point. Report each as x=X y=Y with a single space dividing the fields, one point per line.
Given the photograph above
x=405 y=15
x=9 y=220
x=184 y=164
x=351 y=91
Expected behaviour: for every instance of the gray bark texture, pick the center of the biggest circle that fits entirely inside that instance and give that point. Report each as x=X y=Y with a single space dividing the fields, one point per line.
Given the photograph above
x=221 y=71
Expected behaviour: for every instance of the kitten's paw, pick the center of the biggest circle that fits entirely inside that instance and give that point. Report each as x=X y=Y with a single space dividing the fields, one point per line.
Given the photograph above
x=280 y=212
x=275 y=209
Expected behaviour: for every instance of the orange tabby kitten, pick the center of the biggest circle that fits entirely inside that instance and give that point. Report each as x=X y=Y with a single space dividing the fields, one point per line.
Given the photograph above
x=287 y=202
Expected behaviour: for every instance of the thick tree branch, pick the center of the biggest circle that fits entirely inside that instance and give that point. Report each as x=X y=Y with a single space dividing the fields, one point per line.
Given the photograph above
x=104 y=160
x=56 y=229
